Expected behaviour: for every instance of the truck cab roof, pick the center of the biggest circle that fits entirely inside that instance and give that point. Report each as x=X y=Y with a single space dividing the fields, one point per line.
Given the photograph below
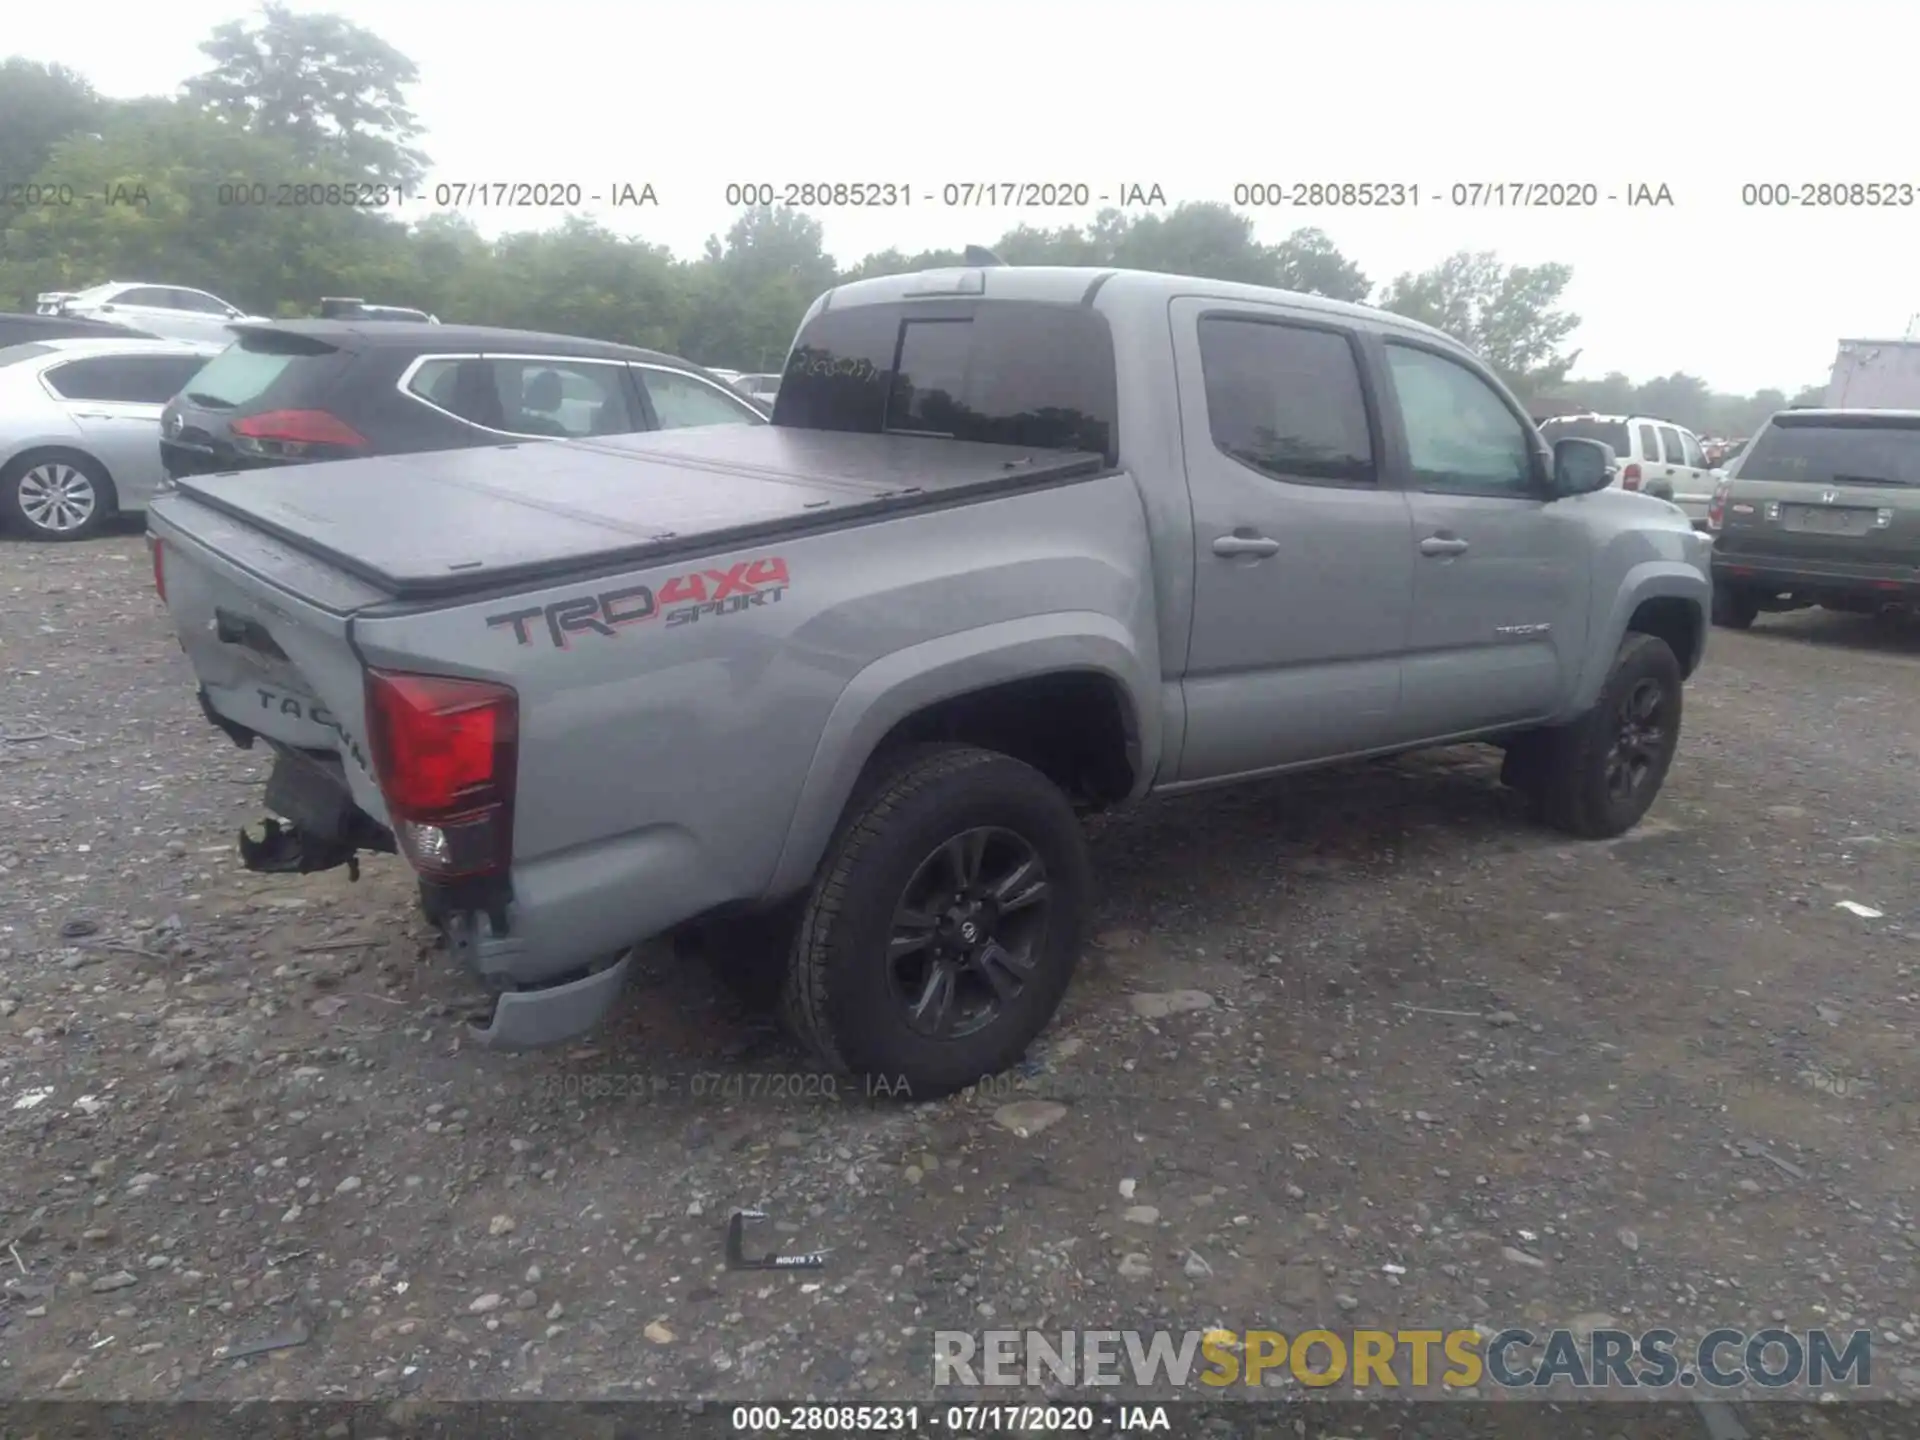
x=1098 y=285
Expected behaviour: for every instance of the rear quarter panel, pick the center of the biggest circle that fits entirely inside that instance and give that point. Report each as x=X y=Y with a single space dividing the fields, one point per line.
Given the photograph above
x=667 y=766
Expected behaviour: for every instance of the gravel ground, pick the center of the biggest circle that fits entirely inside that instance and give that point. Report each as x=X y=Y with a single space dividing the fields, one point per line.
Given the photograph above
x=1359 y=1048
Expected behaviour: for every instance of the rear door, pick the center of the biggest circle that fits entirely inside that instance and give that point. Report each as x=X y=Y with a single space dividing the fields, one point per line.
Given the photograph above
x=1303 y=553
x=1668 y=478
x=200 y=316
x=117 y=400
x=150 y=308
x=1824 y=490
x=1693 y=492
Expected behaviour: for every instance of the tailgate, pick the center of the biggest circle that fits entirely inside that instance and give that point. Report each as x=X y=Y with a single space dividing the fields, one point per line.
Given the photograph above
x=273 y=655
x=1823 y=524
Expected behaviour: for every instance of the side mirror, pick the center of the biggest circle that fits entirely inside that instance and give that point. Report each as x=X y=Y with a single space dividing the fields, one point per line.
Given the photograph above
x=1581 y=467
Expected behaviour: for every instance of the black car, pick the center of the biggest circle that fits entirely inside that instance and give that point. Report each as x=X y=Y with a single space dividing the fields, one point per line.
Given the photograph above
x=26 y=329
x=302 y=390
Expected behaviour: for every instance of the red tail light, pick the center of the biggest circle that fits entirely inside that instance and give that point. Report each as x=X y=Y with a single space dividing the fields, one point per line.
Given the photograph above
x=1630 y=478
x=444 y=752
x=1717 y=511
x=159 y=553
x=294 y=434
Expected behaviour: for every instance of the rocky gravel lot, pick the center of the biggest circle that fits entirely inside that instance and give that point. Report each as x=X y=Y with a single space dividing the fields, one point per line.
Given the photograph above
x=1359 y=1048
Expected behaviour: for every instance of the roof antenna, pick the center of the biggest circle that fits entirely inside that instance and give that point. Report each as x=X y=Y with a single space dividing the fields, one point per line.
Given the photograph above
x=979 y=255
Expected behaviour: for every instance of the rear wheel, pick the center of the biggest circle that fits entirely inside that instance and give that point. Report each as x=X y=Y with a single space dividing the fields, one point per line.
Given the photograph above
x=61 y=496
x=1735 y=606
x=945 y=925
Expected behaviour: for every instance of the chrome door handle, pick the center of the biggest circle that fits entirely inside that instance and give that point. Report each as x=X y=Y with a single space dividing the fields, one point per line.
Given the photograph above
x=1245 y=545
x=1442 y=545
x=92 y=415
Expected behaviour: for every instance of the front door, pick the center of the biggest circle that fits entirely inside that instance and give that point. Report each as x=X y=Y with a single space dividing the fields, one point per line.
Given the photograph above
x=1302 y=552
x=1500 y=584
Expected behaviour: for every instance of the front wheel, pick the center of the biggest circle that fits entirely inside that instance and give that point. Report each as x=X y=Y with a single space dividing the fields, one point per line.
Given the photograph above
x=945 y=925
x=1598 y=776
x=57 y=497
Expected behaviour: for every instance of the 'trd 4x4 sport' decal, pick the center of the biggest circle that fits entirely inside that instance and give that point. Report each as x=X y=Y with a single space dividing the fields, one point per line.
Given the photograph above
x=680 y=601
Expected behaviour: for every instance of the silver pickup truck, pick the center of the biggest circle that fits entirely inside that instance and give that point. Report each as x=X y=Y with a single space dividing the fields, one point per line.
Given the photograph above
x=1019 y=543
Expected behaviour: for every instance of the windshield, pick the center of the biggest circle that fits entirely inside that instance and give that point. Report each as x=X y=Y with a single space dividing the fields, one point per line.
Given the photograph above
x=236 y=376
x=1574 y=427
x=1850 y=450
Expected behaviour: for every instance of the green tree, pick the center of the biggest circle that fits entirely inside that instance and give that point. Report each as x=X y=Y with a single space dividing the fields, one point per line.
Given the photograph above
x=334 y=91
x=1509 y=314
x=40 y=105
x=162 y=167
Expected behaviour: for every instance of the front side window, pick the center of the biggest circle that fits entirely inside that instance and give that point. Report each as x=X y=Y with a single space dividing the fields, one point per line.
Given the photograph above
x=1696 y=457
x=1461 y=436
x=1649 y=444
x=1286 y=400
x=152 y=297
x=682 y=401
x=1676 y=453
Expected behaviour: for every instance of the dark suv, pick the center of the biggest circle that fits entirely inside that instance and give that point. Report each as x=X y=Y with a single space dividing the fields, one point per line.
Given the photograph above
x=299 y=390
x=1823 y=509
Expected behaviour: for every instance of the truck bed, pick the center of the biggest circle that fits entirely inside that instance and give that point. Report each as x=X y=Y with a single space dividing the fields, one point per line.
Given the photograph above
x=457 y=522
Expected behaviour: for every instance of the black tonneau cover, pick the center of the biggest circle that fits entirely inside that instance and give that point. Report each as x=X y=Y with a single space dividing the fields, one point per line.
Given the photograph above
x=459 y=521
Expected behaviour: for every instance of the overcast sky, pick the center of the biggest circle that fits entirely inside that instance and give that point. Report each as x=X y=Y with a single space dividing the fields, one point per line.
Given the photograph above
x=1196 y=97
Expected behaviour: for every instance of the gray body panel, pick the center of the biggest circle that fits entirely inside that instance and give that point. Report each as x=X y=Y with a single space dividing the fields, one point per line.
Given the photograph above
x=670 y=767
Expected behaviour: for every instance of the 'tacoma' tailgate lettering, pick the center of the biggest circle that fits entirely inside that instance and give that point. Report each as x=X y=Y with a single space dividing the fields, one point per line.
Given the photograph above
x=682 y=599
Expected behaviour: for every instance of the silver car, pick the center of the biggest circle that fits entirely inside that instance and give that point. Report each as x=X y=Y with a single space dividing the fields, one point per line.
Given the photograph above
x=172 y=312
x=80 y=429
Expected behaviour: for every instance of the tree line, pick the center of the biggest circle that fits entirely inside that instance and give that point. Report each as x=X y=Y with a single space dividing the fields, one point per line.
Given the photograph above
x=317 y=100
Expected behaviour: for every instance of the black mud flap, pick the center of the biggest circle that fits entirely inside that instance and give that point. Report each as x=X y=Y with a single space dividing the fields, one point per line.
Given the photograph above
x=326 y=829
x=291 y=851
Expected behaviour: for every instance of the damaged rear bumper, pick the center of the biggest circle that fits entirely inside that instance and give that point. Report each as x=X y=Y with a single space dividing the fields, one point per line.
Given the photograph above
x=539 y=998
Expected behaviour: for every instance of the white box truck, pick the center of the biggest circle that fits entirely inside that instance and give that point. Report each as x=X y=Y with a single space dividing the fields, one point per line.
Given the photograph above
x=1875 y=375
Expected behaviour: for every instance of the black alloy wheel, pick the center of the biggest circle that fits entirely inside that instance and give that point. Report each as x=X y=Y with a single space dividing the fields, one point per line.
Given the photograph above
x=965 y=932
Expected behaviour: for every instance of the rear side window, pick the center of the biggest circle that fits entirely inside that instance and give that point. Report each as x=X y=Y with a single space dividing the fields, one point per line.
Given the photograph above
x=1286 y=400
x=1869 y=451
x=681 y=401
x=557 y=399
x=237 y=376
x=1005 y=372
x=1611 y=433
x=1696 y=457
x=124 y=379
x=149 y=295
x=1649 y=443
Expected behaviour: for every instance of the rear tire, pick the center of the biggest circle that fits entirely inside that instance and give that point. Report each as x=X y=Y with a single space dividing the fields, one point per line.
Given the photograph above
x=1598 y=776
x=59 y=495
x=945 y=925
x=1735 y=606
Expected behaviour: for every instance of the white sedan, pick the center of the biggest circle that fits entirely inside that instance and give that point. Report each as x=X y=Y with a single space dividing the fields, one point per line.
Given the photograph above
x=172 y=312
x=80 y=428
